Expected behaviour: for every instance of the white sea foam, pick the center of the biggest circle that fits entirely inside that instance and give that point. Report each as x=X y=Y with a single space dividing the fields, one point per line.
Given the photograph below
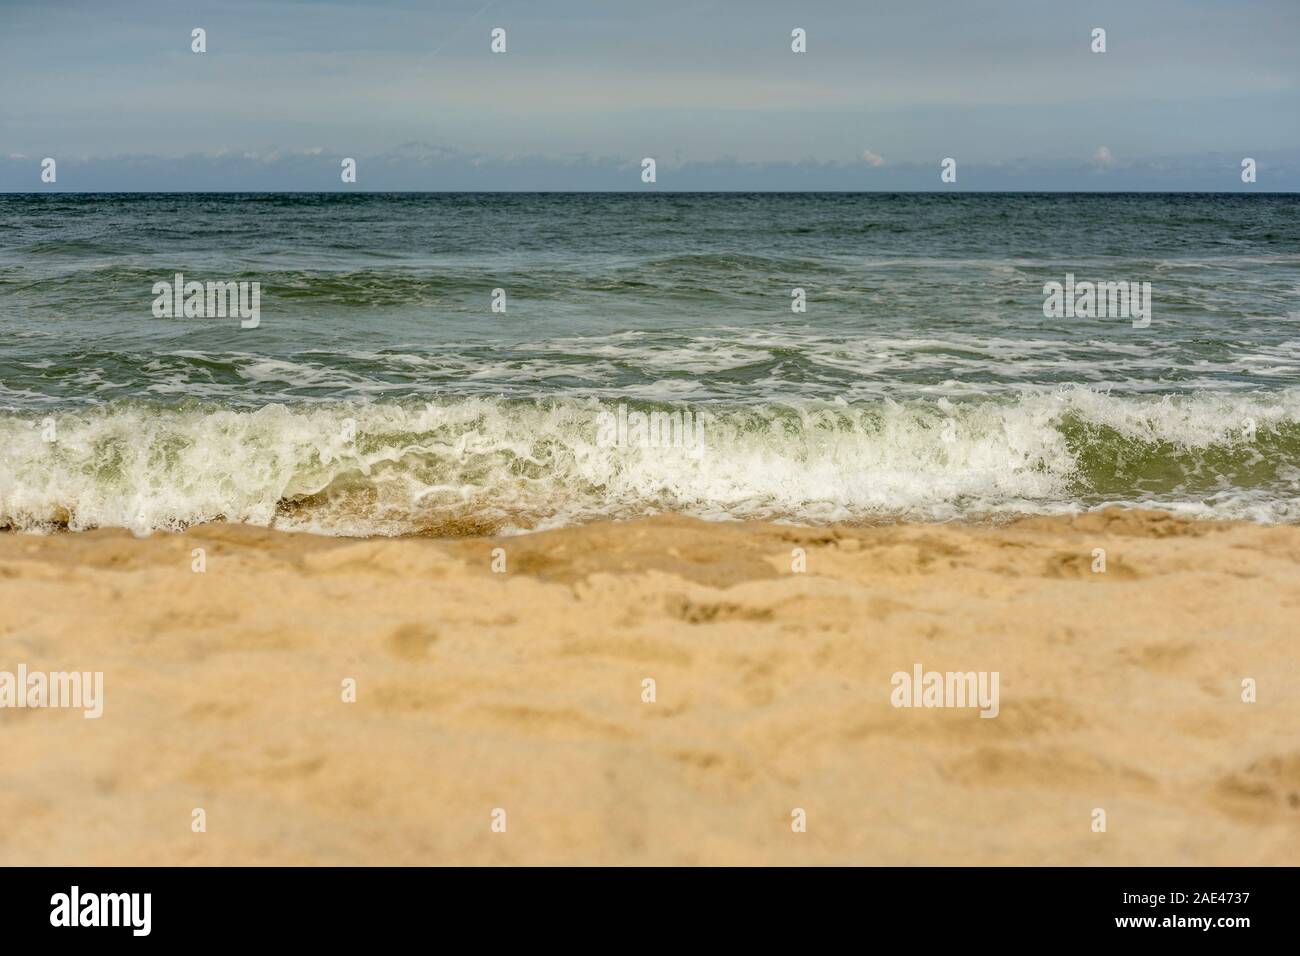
x=502 y=465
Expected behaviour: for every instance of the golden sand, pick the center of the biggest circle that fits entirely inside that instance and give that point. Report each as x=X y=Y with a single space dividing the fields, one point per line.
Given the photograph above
x=523 y=690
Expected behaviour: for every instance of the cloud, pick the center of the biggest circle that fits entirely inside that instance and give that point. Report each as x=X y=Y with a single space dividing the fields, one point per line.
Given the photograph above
x=417 y=166
x=872 y=158
x=1102 y=158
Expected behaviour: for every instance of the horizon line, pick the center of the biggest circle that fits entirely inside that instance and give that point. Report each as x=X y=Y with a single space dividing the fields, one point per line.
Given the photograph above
x=648 y=192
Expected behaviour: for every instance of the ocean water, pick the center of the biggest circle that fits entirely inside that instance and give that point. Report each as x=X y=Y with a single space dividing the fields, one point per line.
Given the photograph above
x=381 y=394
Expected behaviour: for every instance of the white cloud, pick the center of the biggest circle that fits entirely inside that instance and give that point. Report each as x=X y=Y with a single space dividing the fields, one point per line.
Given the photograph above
x=872 y=158
x=1102 y=158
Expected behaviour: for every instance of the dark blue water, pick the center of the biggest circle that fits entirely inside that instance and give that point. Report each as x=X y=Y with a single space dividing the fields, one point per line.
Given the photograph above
x=380 y=392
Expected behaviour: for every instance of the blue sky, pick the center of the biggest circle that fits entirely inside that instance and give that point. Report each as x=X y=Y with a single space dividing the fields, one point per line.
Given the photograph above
x=710 y=89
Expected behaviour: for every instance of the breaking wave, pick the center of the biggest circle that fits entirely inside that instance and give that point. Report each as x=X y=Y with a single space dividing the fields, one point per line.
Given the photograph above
x=487 y=465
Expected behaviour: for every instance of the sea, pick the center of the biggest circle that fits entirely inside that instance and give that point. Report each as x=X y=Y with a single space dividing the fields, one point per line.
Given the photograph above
x=458 y=363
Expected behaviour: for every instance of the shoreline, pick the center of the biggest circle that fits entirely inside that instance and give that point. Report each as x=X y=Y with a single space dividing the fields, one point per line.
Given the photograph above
x=470 y=526
x=522 y=690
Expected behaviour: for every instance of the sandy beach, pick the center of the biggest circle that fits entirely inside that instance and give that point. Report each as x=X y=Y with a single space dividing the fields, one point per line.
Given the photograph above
x=480 y=690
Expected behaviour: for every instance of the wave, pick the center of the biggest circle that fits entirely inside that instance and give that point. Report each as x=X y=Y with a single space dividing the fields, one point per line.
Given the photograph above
x=492 y=465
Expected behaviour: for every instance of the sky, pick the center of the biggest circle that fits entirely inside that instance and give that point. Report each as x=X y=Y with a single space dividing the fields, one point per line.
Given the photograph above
x=710 y=89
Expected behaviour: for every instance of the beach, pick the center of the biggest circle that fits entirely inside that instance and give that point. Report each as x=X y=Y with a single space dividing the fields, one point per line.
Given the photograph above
x=649 y=528
x=508 y=674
